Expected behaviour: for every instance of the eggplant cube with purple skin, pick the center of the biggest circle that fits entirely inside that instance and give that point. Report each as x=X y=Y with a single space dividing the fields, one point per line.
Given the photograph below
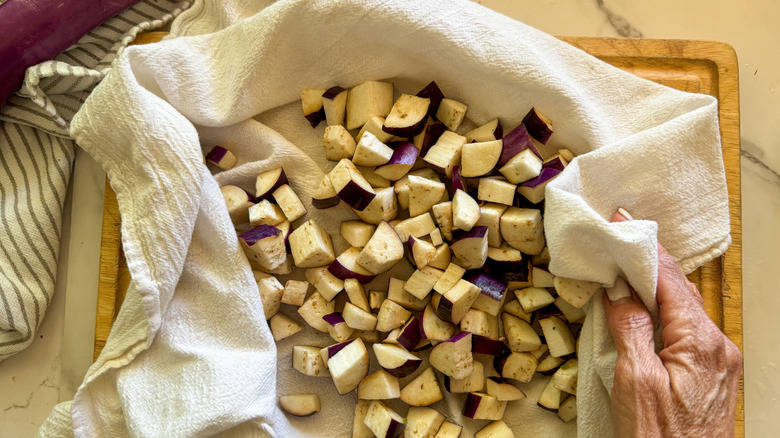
x=407 y=116
x=334 y=103
x=383 y=421
x=314 y=308
x=382 y=208
x=382 y=251
x=446 y=153
x=350 y=185
x=481 y=406
x=324 y=195
x=490 y=216
x=311 y=102
x=349 y=366
x=221 y=157
x=264 y=246
x=337 y=327
x=453 y=304
x=435 y=328
x=471 y=248
x=396 y=360
x=267 y=182
x=539 y=126
x=534 y=189
x=311 y=246
x=453 y=356
x=401 y=162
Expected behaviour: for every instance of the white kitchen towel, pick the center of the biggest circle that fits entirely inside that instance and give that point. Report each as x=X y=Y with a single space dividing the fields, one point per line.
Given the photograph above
x=36 y=159
x=191 y=355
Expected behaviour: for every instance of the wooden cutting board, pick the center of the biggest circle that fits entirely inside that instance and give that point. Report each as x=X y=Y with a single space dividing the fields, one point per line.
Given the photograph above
x=693 y=66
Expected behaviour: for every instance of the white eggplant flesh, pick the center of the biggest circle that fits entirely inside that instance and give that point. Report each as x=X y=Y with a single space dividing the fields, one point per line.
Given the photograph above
x=474 y=382
x=446 y=153
x=496 y=429
x=337 y=327
x=503 y=390
x=453 y=356
x=422 y=422
x=558 y=336
x=421 y=251
x=575 y=292
x=334 y=103
x=541 y=277
x=408 y=115
x=421 y=282
x=264 y=247
x=417 y=226
x=271 y=291
x=490 y=216
x=379 y=385
x=435 y=328
x=565 y=378
x=358 y=318
x=453 y=304
x=349 y=366
x=311 y=103
x=382 y=251
x=383 y=207
x=550 y=398
x=492 y=130
x=443 y=257
x=497 y=190
x=265 y=213
x=449 y=278
x=448 y=430
x=471 y=247
x=522 y=167
x=311 y=246
x=478 y=159
x=519 y=366
x=301 y=405
x=519 y=334
x=522 y=229
x=221 y=157
x=357 y=233
x=482 y=406
x=327 y=284
x=514 y=308
x=383 y=421
x=308 y=361
x=314 y=308
x=324 y=195
x=567 y=410
x=443 y=214
x=397 y=293
x=356 y=294
x=238 y=203
x=288 y=201
x=282 y=326
x=374 y=126
x=571 y=313
x=367 y=100
x=350 y=185
x=268 y=181
x=338 y=143
x=465 y=211
x=391 y=315
x=346 y=266
x=480 y=323
x=451 y=113
x=423 y=390
x=396 y=360
x=423 y=194
x=369 y=151
x=534 y=298
x=295 y=292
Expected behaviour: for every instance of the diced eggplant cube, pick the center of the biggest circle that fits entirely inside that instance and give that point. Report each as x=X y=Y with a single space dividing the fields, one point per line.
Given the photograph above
x=334 y=103
x=451 y=113
x=367 y=100
x=338 y=143
x=221 y=157
x=311 y=246
x=288 y=201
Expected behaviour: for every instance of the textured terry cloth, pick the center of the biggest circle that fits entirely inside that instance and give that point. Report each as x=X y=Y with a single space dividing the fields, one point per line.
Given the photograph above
x=36 y=156
x=191 y=354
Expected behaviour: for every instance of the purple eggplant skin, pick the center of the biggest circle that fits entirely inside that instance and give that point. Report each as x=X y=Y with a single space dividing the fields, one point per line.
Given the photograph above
x=325 y=203
x=334 y=349
x=342 y=272
x=508 y=271
x=432 y=134
x=282 y=180
x=500 y=359
x=444 y=309
x=472 y=404
x=556 y=163
x=515 y=142
x=403 y=153
x=394 y=429
x=476 y=232
x=333 y=318
x=457 y=181
x=546 y=175
x=548 y=311
x=499 y=132
x=332 y=92
x=409 y=367
x=216 y=154
x=433 y=92
x=259 y=233
x=410 y=334
x=490 y=286
x=537 y=127
x=355 y=196
x=407 y=131
x=316 y=117
x=487 y=346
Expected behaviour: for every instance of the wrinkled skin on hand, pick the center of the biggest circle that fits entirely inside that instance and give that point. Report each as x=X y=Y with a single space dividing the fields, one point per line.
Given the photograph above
x=689 y=388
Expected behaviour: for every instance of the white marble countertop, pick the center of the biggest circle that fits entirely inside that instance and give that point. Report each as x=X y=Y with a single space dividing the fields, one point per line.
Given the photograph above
x=51 y=369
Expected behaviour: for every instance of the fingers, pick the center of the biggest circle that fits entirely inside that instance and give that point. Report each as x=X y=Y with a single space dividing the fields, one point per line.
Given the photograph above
x=631 y=326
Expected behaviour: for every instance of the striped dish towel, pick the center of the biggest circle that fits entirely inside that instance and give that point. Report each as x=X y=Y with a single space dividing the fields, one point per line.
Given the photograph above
x=36 y=157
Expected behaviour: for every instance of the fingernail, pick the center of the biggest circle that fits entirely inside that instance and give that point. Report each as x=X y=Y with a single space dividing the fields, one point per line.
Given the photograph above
x=625 y=214
x=619 y=293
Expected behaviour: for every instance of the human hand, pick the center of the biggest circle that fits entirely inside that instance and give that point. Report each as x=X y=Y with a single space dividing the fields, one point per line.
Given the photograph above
x=689 y=388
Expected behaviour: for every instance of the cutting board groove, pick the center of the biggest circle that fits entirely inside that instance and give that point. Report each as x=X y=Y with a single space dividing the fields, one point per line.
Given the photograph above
x=693 y=66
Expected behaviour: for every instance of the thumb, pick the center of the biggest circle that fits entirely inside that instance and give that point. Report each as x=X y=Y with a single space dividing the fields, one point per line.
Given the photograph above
x=629 y=323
